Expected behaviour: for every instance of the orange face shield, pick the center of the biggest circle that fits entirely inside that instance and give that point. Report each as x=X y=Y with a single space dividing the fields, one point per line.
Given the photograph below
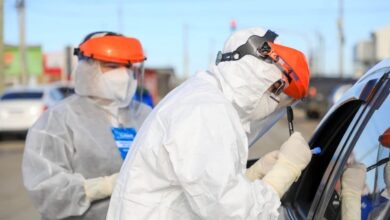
x=291 y=62
x=117 y=49
x=294 y=67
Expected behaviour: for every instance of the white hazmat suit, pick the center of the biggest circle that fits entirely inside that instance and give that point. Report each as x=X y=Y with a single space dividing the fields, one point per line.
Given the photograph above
x=189 y=158
x=71 y=159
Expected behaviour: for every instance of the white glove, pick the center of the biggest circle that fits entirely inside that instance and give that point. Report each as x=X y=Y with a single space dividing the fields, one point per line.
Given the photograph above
x=387 y=177
x=352 y=185
x=99 y=188
x=262 y=166
x=294 y=156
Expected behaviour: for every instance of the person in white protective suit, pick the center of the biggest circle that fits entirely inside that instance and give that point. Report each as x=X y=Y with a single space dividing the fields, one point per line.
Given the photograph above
x=73 y=153
x=189 y=158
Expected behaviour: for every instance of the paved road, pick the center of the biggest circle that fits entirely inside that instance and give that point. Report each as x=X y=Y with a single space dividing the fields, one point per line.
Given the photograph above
x=279 y=133
x=14 y=201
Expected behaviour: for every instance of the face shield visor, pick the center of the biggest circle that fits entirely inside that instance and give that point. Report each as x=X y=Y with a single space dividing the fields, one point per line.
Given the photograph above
x=139 y=74
x=258 y=128
x=136 y=73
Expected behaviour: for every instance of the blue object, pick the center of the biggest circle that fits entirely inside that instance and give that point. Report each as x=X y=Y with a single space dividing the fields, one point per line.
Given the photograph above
x=146 y=97
x=316 y=150
x=124 y=138
x=368 y=205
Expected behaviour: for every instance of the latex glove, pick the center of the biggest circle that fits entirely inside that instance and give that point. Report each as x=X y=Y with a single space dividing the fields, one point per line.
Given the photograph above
x=294 y=155
x=262 y=166
x=387 y=177
x=352 y=185
x=99 y=188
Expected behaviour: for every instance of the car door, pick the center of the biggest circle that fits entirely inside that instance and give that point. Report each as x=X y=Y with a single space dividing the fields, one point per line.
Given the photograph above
x=352 y=129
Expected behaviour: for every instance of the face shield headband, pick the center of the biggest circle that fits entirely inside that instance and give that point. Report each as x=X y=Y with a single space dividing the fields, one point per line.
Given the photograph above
x=117 y=49
x=261 y=48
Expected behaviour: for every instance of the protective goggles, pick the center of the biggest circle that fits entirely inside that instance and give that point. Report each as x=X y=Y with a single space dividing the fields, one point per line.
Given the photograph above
x=278 y=87
x=276 y=93
x=117 y=49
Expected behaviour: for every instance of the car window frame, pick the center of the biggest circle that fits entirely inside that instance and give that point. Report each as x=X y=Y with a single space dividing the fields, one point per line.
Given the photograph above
x=346 y=147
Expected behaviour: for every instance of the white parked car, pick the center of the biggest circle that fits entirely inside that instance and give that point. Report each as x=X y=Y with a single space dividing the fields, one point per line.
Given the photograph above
x=20 y=107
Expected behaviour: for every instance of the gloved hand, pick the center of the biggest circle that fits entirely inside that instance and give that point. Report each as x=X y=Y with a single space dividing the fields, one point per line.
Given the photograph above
x=99 y=188
x=262 y=166
x=294 y=156
x=352 y=185
x=387 y=177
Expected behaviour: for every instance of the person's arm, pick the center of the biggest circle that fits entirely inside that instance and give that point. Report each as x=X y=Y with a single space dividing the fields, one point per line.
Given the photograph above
x=262 y=166
x=352 y=184
x=208 y=153
x=47 y=175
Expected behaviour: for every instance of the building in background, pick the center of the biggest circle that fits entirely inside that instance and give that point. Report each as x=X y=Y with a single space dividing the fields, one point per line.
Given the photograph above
x=41 y=67
x=369 y=52
x=159 y=81
x=13 y=65
x=58 y=66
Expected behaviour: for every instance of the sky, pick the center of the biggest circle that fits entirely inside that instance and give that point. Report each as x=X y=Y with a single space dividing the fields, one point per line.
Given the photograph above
x=307 y=25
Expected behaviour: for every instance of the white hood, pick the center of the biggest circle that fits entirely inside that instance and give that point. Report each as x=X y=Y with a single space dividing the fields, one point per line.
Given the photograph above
x=246 y=80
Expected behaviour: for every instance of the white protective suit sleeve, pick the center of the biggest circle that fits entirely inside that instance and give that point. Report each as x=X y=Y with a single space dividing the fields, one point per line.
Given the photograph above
x=208 y=155
x=56 y=192
x=352 y=184
x=262 y=166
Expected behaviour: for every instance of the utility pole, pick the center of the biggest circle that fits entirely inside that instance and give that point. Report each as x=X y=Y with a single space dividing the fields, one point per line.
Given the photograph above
x=2 y=69
x=320 y=54
x=20 y=6
x=340 y=25
x=185 y=52
x=66 y=76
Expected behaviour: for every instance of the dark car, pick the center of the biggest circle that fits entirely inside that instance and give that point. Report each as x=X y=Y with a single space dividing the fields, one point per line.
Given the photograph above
x=350 y=130
x=321 y=96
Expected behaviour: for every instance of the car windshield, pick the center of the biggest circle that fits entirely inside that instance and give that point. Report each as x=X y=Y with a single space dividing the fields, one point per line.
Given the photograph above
x=22 y=95
x=368 y=150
